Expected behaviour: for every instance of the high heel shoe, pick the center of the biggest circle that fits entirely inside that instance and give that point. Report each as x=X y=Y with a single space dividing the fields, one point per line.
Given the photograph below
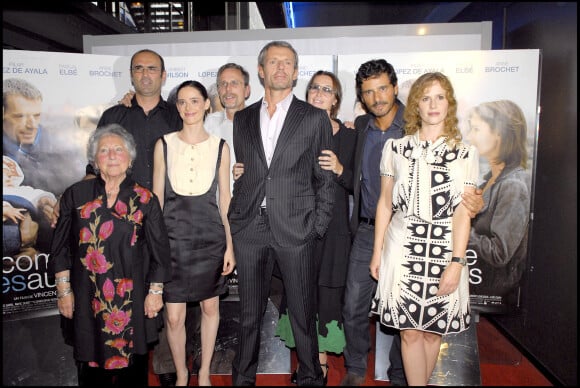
x=294 y=376
x=325 y=375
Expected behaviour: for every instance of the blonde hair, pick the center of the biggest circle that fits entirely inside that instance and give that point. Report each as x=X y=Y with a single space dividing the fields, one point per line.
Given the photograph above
x=413 y=119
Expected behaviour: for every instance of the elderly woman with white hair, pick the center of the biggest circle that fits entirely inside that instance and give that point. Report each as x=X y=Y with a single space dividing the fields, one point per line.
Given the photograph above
x=110 y=253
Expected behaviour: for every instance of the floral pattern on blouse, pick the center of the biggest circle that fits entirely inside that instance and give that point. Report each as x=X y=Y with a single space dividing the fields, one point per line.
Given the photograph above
x=112 y=297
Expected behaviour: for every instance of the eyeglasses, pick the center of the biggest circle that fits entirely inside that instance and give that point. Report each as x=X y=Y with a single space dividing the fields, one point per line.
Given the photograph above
x=233 y=83
x=141 y=69
x=324 y=89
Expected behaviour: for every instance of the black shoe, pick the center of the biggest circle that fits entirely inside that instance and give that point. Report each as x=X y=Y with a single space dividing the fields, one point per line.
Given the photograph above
x=294 y=376
x=167 y=379
x=396 y=377
x=325 y=375
x=352 y=380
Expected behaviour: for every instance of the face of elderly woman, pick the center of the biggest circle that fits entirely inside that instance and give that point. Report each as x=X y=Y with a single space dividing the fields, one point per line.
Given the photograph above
x=112 y=156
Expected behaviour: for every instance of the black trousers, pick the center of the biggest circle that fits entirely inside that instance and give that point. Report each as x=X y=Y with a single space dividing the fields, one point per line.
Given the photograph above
x=256 y=253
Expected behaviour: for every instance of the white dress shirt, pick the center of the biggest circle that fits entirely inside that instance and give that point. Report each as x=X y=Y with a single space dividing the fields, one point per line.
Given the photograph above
x=270 y=127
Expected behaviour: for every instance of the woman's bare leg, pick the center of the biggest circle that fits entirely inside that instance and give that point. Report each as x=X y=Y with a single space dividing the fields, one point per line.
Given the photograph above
x=176 y=338
x=210 y=320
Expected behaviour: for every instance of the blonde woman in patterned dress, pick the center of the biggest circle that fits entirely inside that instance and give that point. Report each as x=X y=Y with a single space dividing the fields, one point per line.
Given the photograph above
x=422 y=229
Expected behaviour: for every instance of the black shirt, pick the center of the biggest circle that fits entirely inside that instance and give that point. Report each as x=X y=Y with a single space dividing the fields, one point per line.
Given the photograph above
x=146 y=129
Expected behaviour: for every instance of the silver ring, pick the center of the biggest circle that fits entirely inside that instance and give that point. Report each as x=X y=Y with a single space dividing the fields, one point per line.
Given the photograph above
x=155 y=315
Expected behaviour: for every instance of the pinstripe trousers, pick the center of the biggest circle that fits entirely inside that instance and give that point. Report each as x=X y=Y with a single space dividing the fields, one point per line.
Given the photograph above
x=256 y=252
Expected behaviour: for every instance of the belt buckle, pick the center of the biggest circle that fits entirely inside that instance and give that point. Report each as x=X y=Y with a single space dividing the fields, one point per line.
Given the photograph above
x=368 y=221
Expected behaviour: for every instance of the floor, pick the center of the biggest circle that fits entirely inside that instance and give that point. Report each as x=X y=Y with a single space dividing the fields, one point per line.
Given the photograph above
x=501 y=364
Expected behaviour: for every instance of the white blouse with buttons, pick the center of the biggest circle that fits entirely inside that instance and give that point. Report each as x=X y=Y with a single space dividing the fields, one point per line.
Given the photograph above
x=191 y=167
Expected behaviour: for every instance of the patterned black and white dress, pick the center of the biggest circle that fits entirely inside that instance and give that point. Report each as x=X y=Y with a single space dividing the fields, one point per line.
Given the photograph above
x=429 y=180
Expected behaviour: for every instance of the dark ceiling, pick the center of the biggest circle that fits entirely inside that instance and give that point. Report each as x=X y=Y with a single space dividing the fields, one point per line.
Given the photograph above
x=272 y=13
x=321 y=14
x=64 y=23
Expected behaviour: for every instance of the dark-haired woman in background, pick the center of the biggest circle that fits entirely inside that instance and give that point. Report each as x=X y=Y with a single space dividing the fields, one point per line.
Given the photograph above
x=189 y=167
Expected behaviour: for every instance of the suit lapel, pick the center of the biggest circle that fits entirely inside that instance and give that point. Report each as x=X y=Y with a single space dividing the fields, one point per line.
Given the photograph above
x=255 y=133
x=291 y=124
x=362 y=130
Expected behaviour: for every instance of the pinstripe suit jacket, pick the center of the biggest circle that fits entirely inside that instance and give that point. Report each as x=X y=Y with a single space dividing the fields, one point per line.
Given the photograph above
x=299 y=194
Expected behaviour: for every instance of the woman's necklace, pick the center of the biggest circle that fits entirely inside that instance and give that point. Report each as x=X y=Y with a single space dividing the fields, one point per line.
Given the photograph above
x=112 y=192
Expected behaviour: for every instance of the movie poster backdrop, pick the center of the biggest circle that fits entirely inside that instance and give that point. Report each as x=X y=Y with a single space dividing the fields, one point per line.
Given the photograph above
x=76 y=89
x=497 y=261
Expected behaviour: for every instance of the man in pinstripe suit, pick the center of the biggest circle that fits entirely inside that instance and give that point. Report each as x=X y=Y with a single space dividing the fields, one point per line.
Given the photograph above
x=280 y=206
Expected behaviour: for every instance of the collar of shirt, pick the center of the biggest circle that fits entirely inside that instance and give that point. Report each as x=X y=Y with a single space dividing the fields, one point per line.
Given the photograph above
x=162 y=104
x=426 y=149
x=270 y=127
x=220 y=117
x=284 y=104
x=398 y=122
x=12 y=148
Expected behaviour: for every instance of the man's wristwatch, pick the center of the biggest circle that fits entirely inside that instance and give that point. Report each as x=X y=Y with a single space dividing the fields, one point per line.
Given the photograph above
x=460 y=260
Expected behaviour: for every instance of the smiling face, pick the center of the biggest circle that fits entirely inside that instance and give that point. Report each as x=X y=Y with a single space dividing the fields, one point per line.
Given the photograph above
x=112 y=158
x=321 y=93
x=21 y=118
x=433 y=105
x=191 y=105
x=231 y=89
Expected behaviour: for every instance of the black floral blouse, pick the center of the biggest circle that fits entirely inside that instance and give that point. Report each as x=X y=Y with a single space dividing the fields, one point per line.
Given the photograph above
x=112 y=254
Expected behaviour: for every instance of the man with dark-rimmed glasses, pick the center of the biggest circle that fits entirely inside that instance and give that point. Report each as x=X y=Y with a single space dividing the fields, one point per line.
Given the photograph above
x=148 y=118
